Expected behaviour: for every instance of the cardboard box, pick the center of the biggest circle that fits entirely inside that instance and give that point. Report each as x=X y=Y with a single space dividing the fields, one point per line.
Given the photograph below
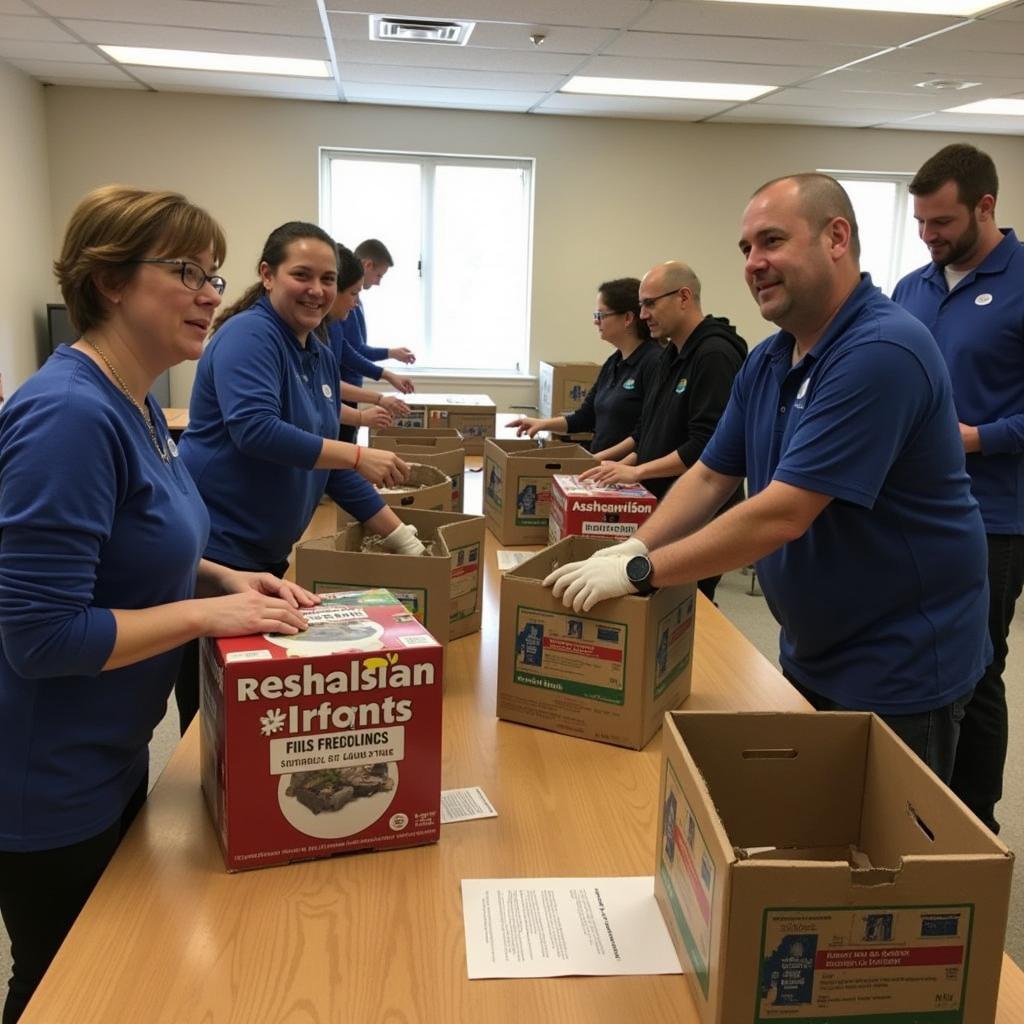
x=592 y=510
x=473 y=416
x=444 y=590
x=563 y=386
x=609 y=674
x=517 y=485
x=324 y=742
x=443 y=449
x=434 y=492
x=811 y=868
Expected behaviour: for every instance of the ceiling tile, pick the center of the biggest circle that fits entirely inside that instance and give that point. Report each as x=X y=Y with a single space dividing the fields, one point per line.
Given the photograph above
x=860 y=79
x=848 y=117
x=1010 y=13
x=193 y=13
x=65 y=71
x=16 y=7
x=935 y=63
x=630 y=106
x=449 y=78
x=466 y=57
x=23 y=49
x=759 y=21
x=176 y=80
x=732 y=48
x=980 y=37
x=962 y=124
x=35 y=29
x=415 y=96
x=120 y=34
x=695 y=71
x=802 y=97
x=588 y=13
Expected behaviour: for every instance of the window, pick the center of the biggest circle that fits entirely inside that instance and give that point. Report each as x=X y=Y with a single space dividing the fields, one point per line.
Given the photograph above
x=889 y=243
x=460 y=231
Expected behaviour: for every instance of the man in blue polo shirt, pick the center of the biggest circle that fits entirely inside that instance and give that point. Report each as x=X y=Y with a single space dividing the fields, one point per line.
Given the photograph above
x=869 y=546
x=971 y=297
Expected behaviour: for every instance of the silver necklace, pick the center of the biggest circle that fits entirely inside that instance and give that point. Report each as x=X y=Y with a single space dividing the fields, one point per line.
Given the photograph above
x=143 y=411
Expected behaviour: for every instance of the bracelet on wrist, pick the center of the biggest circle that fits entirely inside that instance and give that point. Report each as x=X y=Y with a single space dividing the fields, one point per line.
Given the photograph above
x=359 y=452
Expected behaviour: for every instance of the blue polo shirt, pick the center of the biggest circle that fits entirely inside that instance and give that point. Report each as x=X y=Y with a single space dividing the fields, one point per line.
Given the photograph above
x=262 y=406
x=883 y=602
x=980 y=330
x=353 y=366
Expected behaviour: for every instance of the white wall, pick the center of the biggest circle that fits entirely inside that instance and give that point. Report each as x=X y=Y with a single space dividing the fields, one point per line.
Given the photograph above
x=613 y=197
x=26 y=278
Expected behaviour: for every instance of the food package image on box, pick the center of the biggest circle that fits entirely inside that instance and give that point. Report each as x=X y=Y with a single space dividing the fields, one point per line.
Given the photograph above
x=810 y=868
x=327 y=741
x=581 y=507
x=609 y=674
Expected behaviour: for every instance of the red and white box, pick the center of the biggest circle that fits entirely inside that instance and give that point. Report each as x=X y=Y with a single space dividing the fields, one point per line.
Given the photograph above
x=585 y=509
x=327 y=741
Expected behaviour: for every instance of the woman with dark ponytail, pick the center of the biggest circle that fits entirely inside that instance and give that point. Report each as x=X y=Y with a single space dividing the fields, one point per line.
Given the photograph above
x=612 y=407
x=262 y=443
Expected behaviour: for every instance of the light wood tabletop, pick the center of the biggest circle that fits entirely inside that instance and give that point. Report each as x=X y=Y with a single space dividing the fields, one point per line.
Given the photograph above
x=169 y=936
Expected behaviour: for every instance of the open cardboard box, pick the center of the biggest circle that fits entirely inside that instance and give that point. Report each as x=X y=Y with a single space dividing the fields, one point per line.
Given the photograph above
x=608 y=674
x=811 y=868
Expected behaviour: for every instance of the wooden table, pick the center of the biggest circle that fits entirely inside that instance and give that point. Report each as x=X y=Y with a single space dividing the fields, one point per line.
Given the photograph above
x=169 y=937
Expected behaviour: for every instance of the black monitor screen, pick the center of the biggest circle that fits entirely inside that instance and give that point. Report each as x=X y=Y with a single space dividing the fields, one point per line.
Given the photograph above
x=59 y=325
x=61 y=332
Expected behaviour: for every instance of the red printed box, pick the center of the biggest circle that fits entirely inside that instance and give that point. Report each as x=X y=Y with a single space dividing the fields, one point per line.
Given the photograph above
x=580 y=508
x=327 y=741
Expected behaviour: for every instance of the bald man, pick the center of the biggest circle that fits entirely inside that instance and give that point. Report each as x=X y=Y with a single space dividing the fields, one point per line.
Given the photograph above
x=694 y=376
x=869 y=546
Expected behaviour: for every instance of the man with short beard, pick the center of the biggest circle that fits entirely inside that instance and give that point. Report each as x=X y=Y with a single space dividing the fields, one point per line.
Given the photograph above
x=869 y=547
x=971 y=297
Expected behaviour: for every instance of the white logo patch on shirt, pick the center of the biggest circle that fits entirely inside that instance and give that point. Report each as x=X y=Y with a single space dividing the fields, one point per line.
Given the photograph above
x=327 y=390
x=983 y=300
x=172 y=447
x=803 y=388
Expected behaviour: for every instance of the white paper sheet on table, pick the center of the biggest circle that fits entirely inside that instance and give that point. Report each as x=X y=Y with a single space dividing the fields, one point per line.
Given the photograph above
x=549 y=927
x=465 y=804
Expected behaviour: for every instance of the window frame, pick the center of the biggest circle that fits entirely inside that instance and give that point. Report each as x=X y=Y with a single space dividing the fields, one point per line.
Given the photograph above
x=428 y=162
x=904 y=210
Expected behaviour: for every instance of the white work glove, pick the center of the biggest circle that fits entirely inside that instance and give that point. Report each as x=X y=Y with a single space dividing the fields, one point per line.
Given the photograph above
x=581 y=585
x=402 y=540
x=630 y=547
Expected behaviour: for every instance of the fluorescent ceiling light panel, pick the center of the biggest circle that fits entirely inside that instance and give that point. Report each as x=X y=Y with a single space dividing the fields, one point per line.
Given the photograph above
x=951 y=8
x=1012 y=108
x=196 y=60
x=664 y=89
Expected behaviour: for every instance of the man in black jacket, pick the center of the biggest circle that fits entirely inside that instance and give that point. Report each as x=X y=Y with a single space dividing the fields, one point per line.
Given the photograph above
x=702 y=355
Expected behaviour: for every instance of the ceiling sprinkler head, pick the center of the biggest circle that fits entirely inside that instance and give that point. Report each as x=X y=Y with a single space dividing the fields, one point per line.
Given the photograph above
x=537 y=38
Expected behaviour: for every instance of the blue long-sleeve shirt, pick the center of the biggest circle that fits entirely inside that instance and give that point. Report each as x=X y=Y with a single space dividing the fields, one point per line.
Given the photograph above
x=353 y=330
x=90 y=519
x=353 y=366
x=979 y=327
x=262 y=406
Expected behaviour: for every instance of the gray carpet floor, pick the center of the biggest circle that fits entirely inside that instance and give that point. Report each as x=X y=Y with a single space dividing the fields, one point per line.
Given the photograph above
x=751 y=616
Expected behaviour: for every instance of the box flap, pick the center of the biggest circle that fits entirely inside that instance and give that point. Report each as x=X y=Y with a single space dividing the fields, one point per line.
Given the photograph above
x=785 y=779
x=907 y=810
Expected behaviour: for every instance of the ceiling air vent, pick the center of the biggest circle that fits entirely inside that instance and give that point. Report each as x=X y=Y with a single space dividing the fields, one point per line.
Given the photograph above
x=419 y=30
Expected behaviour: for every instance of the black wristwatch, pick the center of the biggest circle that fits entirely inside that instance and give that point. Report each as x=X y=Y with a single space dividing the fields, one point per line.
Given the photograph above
x=638 y=572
